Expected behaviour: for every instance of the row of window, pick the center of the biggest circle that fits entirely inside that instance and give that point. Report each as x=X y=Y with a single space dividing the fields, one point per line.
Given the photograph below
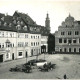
x=22 y=35
x=34 y=37
x=21 y=44
x=2 y=34
x=7 y=34
x=34 y=43
x=68 y=40
x=70 y=33
x=69 y=50
x=2 y=45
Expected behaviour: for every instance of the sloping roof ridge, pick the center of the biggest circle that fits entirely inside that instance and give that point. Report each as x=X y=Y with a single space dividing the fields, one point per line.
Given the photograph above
x=18 y=13
x=30 y=17
x=2 y=14
x=26 y=16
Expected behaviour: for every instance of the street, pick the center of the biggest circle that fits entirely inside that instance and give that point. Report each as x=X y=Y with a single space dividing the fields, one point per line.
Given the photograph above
x=65 y=64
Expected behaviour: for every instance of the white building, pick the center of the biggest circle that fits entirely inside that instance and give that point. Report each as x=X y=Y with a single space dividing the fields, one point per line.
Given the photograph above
x=20 y=36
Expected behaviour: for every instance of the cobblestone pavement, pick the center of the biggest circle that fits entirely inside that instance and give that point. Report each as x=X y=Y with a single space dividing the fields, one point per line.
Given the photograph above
x=65 y=64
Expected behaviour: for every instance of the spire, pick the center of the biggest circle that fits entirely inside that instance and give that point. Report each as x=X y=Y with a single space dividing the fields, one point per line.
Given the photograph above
x=69 y=15
x=47 y=22
x=47 y=16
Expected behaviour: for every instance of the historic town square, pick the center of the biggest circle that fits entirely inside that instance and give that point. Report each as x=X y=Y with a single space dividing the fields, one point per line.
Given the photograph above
x=39 y=39
x=65 y=64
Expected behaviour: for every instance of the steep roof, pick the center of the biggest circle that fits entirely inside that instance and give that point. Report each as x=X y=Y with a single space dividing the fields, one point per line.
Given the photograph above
x=78 y=22
x=25 y=17
x=22 y=23
x=1 y=15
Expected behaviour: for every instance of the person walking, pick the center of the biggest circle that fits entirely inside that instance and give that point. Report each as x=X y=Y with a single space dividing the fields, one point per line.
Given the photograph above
x=65 y=77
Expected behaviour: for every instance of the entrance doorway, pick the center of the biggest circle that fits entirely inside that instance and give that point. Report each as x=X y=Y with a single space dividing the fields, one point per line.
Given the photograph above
x=1 y=58
x=26 y=54
x=12 y=56
x=32 y=52
x=43 y=49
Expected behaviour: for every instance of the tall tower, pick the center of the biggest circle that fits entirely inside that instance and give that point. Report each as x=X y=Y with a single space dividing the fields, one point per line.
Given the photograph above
x=47 y=23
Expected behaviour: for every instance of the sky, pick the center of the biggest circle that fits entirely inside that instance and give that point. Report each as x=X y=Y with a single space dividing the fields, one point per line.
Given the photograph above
x=58 y=10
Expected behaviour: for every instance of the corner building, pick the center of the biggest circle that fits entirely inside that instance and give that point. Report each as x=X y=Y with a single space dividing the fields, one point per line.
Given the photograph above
x=20 y=36
x=67 y=38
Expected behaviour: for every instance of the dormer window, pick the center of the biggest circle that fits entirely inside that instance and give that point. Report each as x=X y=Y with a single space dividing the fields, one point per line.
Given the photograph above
x=25 y=28
x=10 y=24
x=13 y=17
x=21 y=22
x=5 y=24
x=2 y=18
x=18 y=27
x=18 y=22
x=14 y=21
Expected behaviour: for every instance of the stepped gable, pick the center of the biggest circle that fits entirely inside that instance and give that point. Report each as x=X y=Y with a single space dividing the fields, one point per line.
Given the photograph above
x=69 y=18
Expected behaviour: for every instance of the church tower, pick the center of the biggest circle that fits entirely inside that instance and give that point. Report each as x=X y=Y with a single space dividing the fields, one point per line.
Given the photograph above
x=47 y=23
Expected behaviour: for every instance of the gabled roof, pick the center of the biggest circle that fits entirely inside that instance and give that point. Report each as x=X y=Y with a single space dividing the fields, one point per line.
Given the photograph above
x=1 y=15
x=25 y=17
x=31 y=26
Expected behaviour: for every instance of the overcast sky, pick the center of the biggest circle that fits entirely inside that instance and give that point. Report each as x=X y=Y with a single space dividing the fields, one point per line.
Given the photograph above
x=37 y=9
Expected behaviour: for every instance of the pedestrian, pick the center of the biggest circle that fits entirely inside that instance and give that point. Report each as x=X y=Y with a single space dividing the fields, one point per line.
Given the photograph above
x=65 y=77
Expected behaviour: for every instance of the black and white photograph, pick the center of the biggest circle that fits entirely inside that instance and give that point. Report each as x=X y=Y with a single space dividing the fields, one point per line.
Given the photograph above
x=40 y=39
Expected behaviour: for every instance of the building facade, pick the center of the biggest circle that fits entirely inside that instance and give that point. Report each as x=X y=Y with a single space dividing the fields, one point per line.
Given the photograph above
x=67 y=38
x=20 y=36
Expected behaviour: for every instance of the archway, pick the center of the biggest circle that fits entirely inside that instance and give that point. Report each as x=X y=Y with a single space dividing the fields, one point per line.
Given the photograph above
x=26 y=54
x=43 y=49
x=12 y=56
x=32 y=52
